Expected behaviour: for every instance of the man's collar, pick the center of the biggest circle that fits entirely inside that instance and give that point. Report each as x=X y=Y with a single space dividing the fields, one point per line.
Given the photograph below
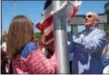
x=89 y=29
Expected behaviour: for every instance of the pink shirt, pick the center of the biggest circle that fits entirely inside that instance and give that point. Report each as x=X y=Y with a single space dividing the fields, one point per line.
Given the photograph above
x=35 y=63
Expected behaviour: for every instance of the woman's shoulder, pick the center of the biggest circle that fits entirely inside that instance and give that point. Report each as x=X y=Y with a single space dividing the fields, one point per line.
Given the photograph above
x=31 y=44
x=28 y=48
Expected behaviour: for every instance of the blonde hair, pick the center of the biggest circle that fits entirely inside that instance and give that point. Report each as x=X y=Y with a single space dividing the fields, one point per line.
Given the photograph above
x=20 y=33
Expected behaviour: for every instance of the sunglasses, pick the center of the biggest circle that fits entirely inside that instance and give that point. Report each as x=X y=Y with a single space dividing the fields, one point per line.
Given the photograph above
x=88 y=16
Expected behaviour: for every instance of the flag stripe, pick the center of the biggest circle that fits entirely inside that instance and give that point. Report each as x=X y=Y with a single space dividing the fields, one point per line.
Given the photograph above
x=47 y=22
x=46 y=25
x=47 y=12
x=48 y=2
x=50 y=36
x=49 y=29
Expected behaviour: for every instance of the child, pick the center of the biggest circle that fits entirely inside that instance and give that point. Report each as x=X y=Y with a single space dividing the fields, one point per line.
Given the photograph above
x=26 y=56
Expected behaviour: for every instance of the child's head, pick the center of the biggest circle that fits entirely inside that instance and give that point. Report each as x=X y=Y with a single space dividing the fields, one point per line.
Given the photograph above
x=20 y=32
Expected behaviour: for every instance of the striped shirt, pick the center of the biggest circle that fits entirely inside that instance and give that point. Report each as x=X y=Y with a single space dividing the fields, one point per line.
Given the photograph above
x=32 y=61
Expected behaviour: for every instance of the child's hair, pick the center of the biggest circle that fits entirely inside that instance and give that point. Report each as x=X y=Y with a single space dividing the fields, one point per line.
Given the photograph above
x=20 y=33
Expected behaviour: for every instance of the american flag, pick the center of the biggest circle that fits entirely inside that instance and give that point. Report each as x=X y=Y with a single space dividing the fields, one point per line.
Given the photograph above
x=46 y=25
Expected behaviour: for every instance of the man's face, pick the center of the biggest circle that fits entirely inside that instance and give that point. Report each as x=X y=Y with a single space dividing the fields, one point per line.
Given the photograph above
x=90 y=20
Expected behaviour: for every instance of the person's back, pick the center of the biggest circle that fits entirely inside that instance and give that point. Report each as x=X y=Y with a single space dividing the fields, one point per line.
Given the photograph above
x=24 y=54
x=30 y=61
x=20 y=62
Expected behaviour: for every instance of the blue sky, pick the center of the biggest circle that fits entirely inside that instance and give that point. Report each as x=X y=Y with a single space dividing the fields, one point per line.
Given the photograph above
x=33 y=10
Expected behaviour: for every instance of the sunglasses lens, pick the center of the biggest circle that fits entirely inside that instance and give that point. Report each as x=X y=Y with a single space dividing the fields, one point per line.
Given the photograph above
x=89 y=16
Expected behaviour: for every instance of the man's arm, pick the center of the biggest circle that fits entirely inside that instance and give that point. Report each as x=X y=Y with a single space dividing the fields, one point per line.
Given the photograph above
x=92 y=44
x=104 y=51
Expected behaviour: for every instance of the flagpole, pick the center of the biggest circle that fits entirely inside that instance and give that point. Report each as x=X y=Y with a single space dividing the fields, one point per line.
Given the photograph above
x=61 y=39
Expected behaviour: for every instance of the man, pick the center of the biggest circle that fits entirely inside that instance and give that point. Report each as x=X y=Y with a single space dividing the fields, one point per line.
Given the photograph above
x=86 y=47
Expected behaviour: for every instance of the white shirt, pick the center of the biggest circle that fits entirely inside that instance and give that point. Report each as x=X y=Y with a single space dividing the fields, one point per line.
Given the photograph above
x=4 y=46
x=106 y=70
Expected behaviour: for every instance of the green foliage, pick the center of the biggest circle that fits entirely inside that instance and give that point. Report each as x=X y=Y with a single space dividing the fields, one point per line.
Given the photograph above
x=3 y=38
x=37 y=35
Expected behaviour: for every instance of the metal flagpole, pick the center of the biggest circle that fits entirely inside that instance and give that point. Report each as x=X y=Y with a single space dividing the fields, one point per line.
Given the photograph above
x=61 y=38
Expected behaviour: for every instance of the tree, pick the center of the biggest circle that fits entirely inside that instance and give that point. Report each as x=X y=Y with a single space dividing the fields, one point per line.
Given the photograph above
x=37 y=35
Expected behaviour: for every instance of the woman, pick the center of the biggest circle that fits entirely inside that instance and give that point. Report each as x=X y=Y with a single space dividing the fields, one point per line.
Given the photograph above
x=26 y=57
x=105 y=54
x=105 y=58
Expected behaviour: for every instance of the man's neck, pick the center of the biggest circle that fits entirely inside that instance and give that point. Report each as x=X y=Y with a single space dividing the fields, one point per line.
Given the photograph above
x=90 y=28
